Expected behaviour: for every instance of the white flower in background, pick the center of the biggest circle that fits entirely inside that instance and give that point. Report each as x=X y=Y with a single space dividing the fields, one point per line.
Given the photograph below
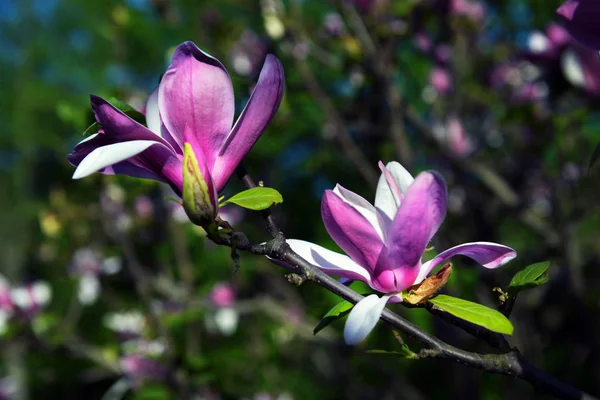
x=87 y=264
x=223 y=320
x=128 y=324
x=31 y=298
x=89 y=289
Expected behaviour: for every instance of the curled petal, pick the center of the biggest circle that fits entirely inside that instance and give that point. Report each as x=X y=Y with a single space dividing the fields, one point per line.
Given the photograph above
x=329 y=261
x=363 y=318
x=116 y=128
x=196 y=92
x=262 y=106
x=393 y=182
x=138 y=158
x=351 y=230
x=418 y=219
x=489 y=255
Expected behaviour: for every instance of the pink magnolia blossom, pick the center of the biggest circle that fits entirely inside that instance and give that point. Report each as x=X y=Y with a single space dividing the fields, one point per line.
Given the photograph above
x=222 y=295
x=193 y=105
x=140 y=369
x=440 y=80
x=385 y=242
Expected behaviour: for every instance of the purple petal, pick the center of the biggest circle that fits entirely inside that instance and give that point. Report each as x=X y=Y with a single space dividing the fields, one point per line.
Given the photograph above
x=124 y=146
x=130 y=169
x=196 y=92
x=365 y=208
x=418 y=219
x=116 y=128
x=351 y=230
x=490 y=255
x=261 y=107
x=581 y=18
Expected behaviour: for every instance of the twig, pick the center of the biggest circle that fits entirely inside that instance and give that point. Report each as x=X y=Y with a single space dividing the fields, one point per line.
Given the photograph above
x=509 y=363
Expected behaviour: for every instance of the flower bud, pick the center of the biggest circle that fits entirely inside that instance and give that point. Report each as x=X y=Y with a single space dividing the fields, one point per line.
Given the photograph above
x=199 y=193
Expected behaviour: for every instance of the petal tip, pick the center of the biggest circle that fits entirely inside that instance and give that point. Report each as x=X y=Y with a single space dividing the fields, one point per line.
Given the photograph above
x=509 y=257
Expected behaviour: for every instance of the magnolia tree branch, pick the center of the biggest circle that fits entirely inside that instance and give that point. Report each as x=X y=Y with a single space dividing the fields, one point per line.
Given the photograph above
x=510 y=362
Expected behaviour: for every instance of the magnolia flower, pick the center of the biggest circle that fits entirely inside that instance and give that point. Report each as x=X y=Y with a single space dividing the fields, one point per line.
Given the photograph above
x=580 y=18
x=222 y=295
x=440 y=80
x=192 y=108
x=385 y=242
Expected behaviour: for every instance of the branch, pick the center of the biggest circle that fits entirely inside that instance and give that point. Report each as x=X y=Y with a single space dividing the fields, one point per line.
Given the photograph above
x=509 y=363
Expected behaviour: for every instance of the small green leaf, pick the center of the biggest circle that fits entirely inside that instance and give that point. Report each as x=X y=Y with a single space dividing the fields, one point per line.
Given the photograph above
x=474 y=313
x=125 y=108
x=404 y=352
x=529 y=277
x=258 y=198
x=338 y=311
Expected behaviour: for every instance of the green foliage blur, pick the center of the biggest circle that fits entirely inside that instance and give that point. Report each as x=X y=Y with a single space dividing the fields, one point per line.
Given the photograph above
x=358 y=90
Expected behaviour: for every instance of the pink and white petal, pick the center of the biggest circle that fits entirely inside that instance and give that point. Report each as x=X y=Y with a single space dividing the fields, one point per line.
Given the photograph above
x=104 y=156
x=262 y=106
x=351 y=231
x=116 y=128
x=363 y=318
x=421 y=213
x=119 y=127
x=154 y=121
x=329 y=261
x=489 y=255
x=361 y=205
x=152 y=112
x=196 y=92
x=393 y=183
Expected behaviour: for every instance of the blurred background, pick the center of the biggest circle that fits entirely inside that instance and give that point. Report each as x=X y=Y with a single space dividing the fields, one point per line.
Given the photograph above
x=108 y=293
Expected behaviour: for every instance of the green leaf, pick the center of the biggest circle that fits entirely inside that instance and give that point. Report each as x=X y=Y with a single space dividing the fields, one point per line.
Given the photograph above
x=125 y=108
x=338 y=311
x=404 y=352
x=474 y=313
x=529 y=277
x=258 y=198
